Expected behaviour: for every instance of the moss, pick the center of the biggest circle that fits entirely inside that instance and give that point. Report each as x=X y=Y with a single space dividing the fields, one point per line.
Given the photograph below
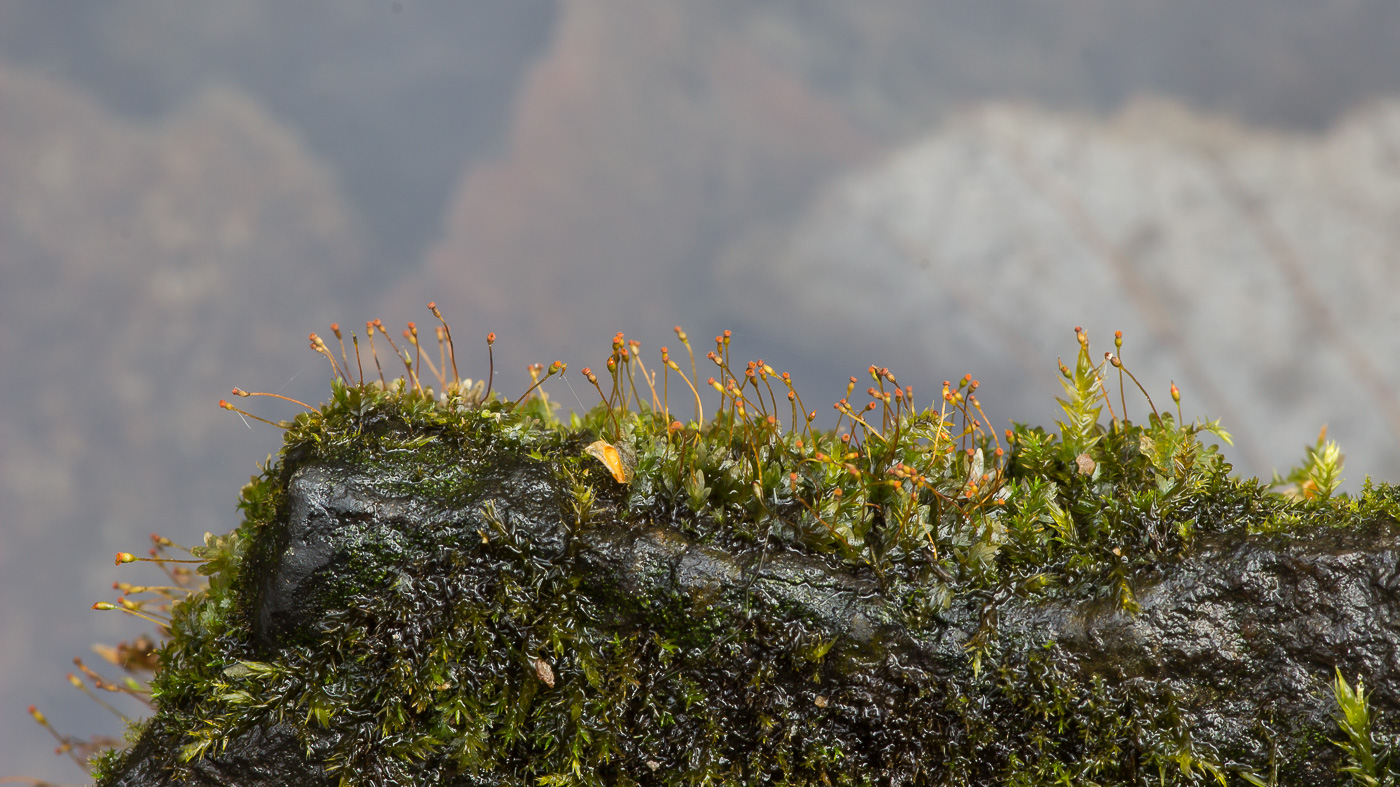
x=429 y=665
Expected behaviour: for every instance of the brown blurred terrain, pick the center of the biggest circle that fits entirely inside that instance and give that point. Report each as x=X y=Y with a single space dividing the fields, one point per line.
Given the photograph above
x=187 y=190
x=550 y=239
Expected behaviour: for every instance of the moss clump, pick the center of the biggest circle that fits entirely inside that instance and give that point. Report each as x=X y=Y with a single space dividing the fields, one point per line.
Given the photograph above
x=466 y=640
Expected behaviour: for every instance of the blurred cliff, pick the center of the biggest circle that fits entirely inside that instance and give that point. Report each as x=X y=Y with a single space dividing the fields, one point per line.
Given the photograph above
x=650 y=135
x=187 y=190
x=1255 y=268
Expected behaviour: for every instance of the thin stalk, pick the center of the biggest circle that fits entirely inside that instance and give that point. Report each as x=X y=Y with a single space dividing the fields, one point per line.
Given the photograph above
x=243 y=393
x=452 y=351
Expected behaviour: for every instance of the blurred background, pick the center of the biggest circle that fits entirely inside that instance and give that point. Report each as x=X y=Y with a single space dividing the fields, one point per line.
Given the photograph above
x=188 y=189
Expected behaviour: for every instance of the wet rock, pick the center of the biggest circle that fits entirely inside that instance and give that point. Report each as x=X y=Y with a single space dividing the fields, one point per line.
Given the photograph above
x=337 y=514
x=1251 y=630
x=257 y=757
x=383 y=583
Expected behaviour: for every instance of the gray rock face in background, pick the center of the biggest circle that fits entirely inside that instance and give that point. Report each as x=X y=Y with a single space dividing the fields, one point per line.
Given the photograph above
x=1257 y=269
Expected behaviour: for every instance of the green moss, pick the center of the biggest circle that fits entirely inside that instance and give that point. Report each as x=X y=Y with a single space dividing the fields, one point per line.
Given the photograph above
x=406 y=681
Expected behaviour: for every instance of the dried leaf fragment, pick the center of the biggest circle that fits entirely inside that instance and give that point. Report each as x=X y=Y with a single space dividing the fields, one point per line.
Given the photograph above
x=612 y=459
x=1085 y=464
x=544 y=672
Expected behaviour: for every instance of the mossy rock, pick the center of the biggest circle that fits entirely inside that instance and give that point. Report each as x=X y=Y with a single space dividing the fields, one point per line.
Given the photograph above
x=444 y=592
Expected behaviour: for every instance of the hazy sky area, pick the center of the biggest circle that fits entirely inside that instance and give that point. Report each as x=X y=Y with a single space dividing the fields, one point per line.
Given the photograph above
x=188 y=189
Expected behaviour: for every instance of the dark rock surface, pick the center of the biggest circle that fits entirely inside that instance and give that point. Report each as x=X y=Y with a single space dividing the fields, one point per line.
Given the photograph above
x=1243 y=635
x=1250 y=629
x=333 y=511
x=256 y=757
